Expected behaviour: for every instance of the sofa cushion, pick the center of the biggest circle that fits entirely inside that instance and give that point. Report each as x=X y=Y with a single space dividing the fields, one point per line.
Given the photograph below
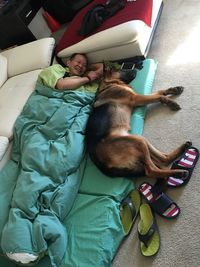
x=13 y=95
x=3 y=68
x=30 y=56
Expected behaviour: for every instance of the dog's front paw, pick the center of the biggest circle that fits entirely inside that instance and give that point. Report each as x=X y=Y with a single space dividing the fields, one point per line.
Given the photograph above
x=173 y=106
x=178 y=90
x=170 y=103
x=174 y=90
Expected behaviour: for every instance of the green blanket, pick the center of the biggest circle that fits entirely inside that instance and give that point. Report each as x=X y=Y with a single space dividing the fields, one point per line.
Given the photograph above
x=39 y=184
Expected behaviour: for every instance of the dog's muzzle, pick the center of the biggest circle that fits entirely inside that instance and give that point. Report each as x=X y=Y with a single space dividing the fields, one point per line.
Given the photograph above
x=127 y=75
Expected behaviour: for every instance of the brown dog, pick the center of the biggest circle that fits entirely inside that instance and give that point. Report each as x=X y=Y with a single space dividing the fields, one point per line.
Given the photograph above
x=111 y=147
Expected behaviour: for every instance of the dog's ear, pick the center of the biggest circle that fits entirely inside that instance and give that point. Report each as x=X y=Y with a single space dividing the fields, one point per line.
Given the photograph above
x=127 y=75
x=107 y=72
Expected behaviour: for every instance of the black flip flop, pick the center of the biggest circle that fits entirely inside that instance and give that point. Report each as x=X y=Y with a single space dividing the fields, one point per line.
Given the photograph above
x=148 y=233
x=187 y=162
x=129 y=210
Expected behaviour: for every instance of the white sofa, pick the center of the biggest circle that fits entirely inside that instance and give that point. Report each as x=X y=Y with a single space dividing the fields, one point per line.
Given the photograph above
x=19 y=67
x=126 y=40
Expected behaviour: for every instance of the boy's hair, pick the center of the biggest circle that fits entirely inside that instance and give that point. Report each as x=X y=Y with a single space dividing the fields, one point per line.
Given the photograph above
x=75 y=54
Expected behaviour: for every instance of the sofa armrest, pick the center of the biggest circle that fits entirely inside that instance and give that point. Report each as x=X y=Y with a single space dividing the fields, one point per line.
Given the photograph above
x=30 y=56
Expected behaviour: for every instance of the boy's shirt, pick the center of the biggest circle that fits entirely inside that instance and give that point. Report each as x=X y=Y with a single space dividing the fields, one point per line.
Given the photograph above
x=49 y=77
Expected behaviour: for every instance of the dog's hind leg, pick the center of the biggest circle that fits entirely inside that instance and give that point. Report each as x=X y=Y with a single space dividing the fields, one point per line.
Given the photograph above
x=151 y=170
x=164 y=158
x=133 y=152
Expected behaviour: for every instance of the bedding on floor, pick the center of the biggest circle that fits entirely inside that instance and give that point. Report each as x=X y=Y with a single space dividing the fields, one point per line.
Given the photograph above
x=52 y=197
x=133 y=10
x=39 y=184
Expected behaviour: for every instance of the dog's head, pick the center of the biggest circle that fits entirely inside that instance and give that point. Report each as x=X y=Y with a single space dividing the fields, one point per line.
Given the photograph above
x=113 y=77
x=125 y=76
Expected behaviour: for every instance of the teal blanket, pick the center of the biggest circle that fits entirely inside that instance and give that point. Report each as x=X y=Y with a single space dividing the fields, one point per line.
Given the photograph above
x=39 y=184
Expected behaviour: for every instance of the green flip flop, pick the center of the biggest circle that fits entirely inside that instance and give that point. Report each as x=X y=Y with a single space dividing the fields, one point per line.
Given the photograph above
x=129 y=210
x=147 y=232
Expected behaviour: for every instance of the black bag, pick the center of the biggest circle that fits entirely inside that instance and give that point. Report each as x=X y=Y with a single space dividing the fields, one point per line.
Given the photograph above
x=98 y=14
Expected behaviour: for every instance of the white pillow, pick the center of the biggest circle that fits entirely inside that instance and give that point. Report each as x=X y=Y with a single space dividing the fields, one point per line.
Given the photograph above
x=3 y=68
x=4 y=143
x=31 y=56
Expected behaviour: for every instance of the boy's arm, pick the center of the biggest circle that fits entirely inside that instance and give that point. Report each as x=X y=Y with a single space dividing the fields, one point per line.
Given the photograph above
x=71 y=82
x=75 y=82
x=95 y=71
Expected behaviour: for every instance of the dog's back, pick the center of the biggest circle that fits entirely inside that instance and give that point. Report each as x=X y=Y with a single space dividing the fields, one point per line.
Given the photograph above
x=98 y=125
x=108 y=122
x=101 y=143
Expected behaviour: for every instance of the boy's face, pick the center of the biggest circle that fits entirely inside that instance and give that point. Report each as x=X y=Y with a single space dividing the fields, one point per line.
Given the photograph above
x=77 y=65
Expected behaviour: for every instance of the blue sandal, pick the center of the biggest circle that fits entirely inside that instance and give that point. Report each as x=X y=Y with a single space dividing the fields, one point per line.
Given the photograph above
x=186 y=162
x=159 y=201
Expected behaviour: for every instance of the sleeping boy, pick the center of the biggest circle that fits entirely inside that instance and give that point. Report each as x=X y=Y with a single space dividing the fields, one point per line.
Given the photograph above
x=77 y=74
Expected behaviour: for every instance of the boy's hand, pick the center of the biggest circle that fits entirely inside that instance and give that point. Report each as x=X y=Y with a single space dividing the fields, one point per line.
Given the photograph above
x=93 y=75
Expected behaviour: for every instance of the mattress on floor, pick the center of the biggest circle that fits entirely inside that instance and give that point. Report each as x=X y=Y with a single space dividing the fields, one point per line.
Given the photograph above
x=94 y=222
x=93 y=225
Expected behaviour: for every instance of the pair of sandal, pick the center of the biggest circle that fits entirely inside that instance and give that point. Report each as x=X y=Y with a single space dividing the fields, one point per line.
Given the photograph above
x=157 y=202
x=147 y=228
